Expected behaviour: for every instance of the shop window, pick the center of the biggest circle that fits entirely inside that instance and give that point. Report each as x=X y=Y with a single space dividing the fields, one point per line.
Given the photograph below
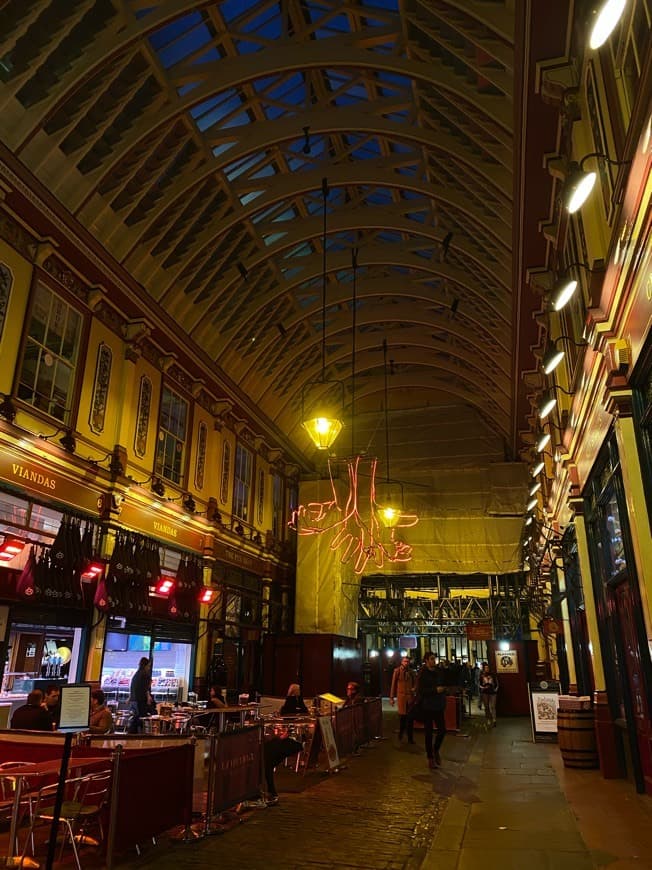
x=226 y=471
x=47 y=376
x=173 y=423
x=242 y=482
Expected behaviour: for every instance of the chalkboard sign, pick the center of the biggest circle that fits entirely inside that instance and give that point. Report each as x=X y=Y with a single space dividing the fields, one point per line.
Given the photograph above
x=544 y=701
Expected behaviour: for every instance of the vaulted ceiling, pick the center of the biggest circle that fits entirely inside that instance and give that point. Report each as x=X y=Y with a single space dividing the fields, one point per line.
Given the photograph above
x=193 y=140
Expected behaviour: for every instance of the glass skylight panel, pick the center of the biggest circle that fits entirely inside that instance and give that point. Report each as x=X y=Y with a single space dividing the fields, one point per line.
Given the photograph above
x=168 y=34
x=272 y=238
x=235 y=170
x=214 y=110
x=246 y=198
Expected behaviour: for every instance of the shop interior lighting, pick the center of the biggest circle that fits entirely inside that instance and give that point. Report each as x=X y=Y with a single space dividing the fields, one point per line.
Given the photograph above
x=10 y=548
x=608 y=14
x=164 y=586
x=94 y=570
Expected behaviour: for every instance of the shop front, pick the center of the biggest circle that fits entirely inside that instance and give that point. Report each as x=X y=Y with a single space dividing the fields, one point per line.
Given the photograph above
x=153 y=612
x=49 y=539
x=617 y=595
x=252 y=600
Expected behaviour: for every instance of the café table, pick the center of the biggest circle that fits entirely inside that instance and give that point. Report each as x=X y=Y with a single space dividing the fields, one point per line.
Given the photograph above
x=221 y=713
x=39 y=769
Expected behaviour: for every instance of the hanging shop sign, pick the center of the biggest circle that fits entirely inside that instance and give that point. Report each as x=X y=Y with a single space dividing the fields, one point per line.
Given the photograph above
x=154 y=525
x=241 y=559
x=552 y=626
x=38 y=478
x=479 y=631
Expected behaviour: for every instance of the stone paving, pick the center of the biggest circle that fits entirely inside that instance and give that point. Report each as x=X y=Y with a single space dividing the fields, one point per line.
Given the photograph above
x=381 y=812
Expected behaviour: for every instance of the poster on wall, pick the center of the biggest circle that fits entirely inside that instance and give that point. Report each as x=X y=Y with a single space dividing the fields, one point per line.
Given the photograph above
x=507 y=661
x=544 y=701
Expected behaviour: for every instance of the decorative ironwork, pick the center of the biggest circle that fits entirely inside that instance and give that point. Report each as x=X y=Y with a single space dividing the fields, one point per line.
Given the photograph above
x=260 y=497
x=6 y=281
x=142 y=417
x=101 y=388
x=226 y=471
x=202 y=437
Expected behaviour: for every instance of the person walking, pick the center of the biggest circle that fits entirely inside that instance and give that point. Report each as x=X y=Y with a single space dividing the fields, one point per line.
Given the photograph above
x=402 y=693
x=139 y=694
x=488 y=692
x=431 y=692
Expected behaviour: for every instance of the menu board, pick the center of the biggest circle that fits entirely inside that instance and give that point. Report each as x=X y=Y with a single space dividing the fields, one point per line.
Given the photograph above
x=75 y=706
x=326 y=727
x=544 y=701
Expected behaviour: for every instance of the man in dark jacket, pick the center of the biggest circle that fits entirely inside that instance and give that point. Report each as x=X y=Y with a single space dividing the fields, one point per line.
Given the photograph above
x=431 y=689
x=32 y=716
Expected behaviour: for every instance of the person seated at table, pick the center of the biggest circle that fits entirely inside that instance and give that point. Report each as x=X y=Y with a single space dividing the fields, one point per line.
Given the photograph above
x=33 y=716
x=215 y=697
x=354 y=694
x=101 y=721
x=294 y=705
x=52 y=702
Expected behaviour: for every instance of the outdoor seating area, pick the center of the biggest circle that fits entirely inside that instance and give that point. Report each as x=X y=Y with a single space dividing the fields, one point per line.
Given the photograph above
x=113 y=794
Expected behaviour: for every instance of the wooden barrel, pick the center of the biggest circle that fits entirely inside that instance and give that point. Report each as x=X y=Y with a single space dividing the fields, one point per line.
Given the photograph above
x=576 y=736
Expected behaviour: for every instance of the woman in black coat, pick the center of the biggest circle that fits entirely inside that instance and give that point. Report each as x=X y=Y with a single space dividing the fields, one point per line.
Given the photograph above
x=294 y=705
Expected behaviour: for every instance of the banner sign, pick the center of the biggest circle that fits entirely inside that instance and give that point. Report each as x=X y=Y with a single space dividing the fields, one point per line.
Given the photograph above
x=479 y=631
x=237 y=768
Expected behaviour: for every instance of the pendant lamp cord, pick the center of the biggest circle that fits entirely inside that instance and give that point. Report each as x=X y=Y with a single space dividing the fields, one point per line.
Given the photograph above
x=324 y=193
x=354 y=266
x=386 y=409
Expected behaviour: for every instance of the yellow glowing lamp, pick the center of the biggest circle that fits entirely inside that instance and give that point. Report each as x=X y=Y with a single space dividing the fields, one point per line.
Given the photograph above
x=389 y=502
x=323 y=430
x=389 y=516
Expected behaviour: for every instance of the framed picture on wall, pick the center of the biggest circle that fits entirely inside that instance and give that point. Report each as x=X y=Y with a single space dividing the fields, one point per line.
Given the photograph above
x=506 y=661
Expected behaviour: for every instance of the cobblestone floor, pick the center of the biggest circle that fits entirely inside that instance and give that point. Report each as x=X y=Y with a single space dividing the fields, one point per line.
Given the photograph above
x=380 y=813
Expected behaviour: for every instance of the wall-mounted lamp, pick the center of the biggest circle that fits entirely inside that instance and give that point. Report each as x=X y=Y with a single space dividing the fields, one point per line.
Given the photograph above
x=543 y=439
x=548 y=400
x=188 y=503
x=607 y=15
x=564 y=289
x=554 y=355
x=7 y=409
x=67 y=440
x=580 y=183
x=158 y=487
x=535 y=488
x=538 y=468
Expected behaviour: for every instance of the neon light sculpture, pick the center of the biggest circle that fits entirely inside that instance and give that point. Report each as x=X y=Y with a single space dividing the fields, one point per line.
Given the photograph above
x=357 y=539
